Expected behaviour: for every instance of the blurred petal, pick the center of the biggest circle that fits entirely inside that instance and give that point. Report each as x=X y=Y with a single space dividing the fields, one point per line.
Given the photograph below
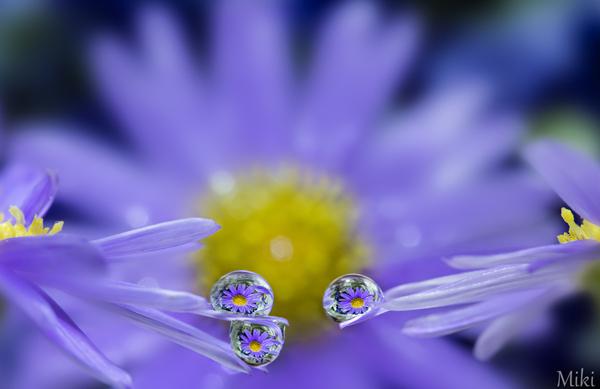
x=497 y=334
x=158 y=96
x=503 y=329
x=354 y=70
x=578 y=250
x=96 y=179
x=459 y=319
x=426 y=362
x=252 y=75
x=478 y=286
x=59 y=328
x=177 y=368
x=572 y=176
x=51 y=257
x=185 y=335
x=498 y=214
x=138 y=295
x=31 y=190
x=157 y=238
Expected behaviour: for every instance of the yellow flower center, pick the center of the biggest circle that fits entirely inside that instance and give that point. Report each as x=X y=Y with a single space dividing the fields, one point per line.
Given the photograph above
x=255 y=346
x=357 y=303
x=590 y=277
x=239 y=300
x=17 y=228
x=296 y=229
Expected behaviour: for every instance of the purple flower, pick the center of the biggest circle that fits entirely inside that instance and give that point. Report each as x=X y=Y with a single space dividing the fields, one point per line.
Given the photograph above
x=509 y=290
x=355 y=301
x=241 y=298
x=256 y=343
x=35 y=259
x=216 y=137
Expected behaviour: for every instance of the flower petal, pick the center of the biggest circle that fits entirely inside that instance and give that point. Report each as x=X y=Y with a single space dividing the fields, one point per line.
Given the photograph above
x=252 y=75
x=176 y=234
x=60 y=329
x=120 y=192
x=156 y=91
x=424 y=362
x=572 y=175
x=459 y=319
x=51 y=257
x=184 y=335
x=482 y=285
x=578 y=250
x=31 y=190
x=502 y=330
x=357 y=51
x=118 y=292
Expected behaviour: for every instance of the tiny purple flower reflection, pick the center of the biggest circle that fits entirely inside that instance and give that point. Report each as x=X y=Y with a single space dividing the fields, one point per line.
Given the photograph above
x=35 y=260
x=509 y=290
x=256 y=343
x=241 y=298
x=355 y=301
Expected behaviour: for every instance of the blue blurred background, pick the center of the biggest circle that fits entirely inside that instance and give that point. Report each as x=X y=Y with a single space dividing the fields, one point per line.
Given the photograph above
x=539 y=59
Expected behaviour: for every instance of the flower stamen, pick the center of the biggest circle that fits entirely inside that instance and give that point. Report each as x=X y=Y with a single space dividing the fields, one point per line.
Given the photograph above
x=255 y=346
x=357 y=303
x=239 y=300
x=18 y=228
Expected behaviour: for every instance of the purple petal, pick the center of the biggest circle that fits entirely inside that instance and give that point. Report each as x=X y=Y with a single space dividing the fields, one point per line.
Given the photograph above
x=459 y=319
x=578 y=250
x=573 y=176
x=503 y=329
x=425 y=364
x=252 y=75
x=94 y=178
x=156 y=238
x=185 y=335
x=60 y=329
x=31 y=190
x=419 y=225
x=51 y=257
x=156 y=92
x=138 y=295
x=479 y=285
x=356 y=66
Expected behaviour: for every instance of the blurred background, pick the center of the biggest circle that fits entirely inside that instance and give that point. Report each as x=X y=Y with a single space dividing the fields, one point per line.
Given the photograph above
x=540 y=58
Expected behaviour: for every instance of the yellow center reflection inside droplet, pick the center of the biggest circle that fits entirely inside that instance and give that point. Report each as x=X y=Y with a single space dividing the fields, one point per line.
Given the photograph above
x=357 y=303
x=255 y=346
x=239 y=300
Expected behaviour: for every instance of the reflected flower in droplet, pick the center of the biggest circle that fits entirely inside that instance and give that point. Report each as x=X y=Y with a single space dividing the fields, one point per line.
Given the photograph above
x=242 y=292
x=257 y=343
x=350 y=296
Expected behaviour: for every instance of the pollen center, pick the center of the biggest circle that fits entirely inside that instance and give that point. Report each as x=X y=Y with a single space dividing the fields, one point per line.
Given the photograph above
x=17 y=227
x=357 y=303
x=255 y=346
x=239 y=300
x=590 y=276
x=586 y=230
x=295 y=228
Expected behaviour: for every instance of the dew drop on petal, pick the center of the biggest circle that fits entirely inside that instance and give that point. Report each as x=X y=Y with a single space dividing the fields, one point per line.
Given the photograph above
x=257 y=343
x=243 y=292
x=350 y=296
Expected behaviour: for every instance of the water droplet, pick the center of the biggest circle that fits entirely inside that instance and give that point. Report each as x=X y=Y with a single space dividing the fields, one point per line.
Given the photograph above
x=351 y=295
x=242 y=292
x=257 y=342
